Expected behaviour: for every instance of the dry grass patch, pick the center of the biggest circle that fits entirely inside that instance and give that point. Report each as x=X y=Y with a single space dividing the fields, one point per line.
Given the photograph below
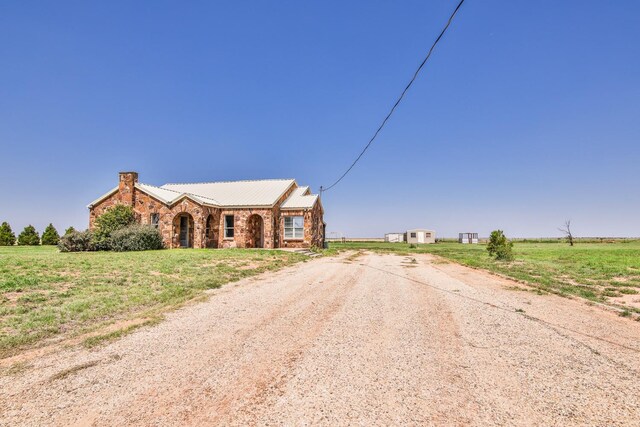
x=46 y=295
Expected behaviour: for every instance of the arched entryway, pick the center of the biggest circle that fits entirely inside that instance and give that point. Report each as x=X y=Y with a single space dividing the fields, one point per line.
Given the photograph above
x=255 y=231
x=183 y=227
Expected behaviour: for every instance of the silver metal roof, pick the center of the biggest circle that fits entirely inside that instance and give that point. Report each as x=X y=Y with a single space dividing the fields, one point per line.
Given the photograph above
x=300 y=198
x=259 y=193
x=235 y=193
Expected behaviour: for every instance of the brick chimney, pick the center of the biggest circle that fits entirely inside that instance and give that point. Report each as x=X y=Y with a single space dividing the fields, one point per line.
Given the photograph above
x=125 y=187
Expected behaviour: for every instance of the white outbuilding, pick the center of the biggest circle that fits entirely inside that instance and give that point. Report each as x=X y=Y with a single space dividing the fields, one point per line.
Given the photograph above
x=394 y=237
x=420 y=235
x=468 y=238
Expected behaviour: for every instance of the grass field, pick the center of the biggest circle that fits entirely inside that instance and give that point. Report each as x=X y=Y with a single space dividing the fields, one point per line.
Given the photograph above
x=44 y=293
x=601 y=272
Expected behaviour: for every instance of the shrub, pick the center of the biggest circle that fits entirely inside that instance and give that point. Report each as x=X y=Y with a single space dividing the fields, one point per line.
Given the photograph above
x=499 y=247
x=114 y=218
x=69 y=230
x=50 y=235
x=7 y=236
x=136 y=238
x=29 y=237
x=76 y=241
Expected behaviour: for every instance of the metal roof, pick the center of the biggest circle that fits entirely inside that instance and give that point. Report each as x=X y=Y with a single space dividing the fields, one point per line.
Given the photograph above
x=256 y=193
x=235 y=193
x=300 y=198
x=171 y=196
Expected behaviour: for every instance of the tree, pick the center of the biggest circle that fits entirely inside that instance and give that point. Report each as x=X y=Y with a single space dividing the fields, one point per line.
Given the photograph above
x=69 y=230
x=29 y=237
x=50 y=235
x=567 y=231
x=114 y=218
x=499 y=246
x=7 y=236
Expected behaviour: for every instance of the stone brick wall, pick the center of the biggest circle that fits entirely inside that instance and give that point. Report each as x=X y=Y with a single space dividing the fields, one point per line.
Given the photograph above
x=313 y=228
x=243 y=228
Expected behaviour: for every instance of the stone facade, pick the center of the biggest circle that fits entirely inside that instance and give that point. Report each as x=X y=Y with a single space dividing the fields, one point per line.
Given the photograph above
x=313 y=228
x=253 y=227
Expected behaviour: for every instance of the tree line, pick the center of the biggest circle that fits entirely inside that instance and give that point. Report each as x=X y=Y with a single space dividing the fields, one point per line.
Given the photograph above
x=30 y=236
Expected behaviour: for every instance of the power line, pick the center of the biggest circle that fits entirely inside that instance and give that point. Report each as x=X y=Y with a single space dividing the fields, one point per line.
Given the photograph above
x=415 y=75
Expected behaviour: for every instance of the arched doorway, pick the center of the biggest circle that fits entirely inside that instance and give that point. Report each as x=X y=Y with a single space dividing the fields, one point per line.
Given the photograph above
x=255 y=231
x=183 y=227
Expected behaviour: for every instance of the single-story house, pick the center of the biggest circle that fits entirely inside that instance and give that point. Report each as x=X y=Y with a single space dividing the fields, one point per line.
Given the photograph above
x=394 y=237
x=273 y=213
x=420 y=235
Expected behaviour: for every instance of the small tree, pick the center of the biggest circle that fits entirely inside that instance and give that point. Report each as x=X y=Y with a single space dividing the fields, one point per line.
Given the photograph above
x=7 y=236
x=114 y=218
x=50 y=235
x=567 y=231
x=76 y=241
x=29 y=237
x=499 y=247
x=69 y=230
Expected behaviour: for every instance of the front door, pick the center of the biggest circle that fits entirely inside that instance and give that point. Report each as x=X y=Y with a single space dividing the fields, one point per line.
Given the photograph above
x=184 y=231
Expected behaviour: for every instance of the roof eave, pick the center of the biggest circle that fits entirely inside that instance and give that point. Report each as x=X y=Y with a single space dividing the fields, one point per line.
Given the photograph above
x=293 y=182
x=101 y=198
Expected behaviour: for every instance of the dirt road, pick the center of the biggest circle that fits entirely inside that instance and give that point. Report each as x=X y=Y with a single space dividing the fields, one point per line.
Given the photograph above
x=378 y=340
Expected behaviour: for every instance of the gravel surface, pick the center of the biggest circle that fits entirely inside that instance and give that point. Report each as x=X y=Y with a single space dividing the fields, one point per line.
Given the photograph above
x=378 y=340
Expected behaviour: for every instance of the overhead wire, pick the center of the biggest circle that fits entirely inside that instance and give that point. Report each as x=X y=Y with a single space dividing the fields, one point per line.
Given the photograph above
x=406 y=89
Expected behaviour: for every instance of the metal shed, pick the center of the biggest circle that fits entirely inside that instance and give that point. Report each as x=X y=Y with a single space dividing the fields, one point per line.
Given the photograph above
x=468 y=238
x=394 y=237
x=420 y=235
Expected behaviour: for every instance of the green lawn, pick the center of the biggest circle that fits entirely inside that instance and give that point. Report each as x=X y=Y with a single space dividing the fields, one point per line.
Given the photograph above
x=44 y=293
x=595 y=271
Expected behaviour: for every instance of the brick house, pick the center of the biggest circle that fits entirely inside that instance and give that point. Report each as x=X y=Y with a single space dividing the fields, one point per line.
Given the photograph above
x=274 y=213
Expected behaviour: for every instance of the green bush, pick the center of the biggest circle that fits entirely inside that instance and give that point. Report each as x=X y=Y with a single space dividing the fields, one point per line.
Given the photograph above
x=69 y=230
x=7 y=236
x=29 y=237
x=136 y=238
x=114 y=218
x=76 y=241
x=499 y=247
x=50 y=235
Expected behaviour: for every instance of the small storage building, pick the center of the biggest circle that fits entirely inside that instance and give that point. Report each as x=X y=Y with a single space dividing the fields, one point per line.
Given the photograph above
x=420 y=235
x=468 y=238
x=394 y=237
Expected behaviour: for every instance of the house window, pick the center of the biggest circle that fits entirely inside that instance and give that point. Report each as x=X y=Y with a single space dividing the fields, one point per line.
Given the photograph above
x=155 y=220
x=427 y=234
x=228 y=226
x=413 y=235
x=293 y=227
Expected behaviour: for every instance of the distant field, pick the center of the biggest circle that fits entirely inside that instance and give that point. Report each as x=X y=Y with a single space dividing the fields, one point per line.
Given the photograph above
x=602 y=272
x=44 y=293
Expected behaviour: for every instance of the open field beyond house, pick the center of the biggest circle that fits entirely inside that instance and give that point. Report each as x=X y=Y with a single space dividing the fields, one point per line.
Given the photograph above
x=373 y=339
x=47 y=294
x=600 y=272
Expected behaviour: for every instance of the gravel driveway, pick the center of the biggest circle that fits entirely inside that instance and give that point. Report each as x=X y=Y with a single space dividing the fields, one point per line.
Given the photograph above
x=376 y=340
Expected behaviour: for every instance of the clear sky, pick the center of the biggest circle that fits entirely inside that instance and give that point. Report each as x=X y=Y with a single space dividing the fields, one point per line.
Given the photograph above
x=527 y=114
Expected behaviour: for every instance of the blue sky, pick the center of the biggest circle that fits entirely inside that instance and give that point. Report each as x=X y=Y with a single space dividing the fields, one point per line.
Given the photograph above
x=527 y=114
